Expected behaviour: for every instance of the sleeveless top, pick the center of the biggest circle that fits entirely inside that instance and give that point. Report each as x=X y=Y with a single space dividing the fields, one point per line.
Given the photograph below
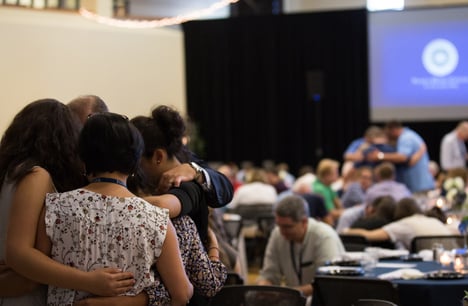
x=90 y=230
x=38 y=296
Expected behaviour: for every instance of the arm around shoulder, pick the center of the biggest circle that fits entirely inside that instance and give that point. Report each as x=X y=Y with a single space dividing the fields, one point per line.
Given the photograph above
x=22 y=255
x=221 y=191
x=371 y=235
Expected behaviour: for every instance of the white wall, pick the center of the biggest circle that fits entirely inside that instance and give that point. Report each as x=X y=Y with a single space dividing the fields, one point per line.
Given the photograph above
x=62 y=55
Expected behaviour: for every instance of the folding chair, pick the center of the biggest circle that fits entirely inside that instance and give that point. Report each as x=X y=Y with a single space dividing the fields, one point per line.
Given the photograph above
x=449 y=242
x=233 y=279
x=233 y=226
x=373 y=302
x=345 y=290
x=354 y=243
x=257 y=223
x=255 y=295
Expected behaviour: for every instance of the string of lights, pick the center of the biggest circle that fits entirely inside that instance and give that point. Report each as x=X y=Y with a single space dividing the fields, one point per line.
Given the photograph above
x=146 y=24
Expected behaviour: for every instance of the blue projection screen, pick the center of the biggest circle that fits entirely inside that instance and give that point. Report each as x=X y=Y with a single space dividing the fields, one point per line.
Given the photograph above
x=418 y=64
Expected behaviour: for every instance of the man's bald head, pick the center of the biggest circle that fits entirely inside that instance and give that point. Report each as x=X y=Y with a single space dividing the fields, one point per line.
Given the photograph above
x=85 y=105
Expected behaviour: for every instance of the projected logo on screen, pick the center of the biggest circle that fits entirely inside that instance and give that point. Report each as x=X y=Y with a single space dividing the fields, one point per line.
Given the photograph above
x=440 y=57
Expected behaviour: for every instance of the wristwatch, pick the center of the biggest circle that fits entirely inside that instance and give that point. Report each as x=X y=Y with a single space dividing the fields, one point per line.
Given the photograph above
x=198 y=173
x=380 y=155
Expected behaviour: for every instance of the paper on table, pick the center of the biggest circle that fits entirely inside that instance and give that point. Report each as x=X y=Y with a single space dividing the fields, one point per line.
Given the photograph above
x=395 y=265
x=406 y=273
x=382 y=253
x=391 y=253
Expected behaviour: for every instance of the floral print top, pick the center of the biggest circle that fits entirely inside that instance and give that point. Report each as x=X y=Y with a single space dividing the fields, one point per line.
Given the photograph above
x=89 y=230
x=206 y=276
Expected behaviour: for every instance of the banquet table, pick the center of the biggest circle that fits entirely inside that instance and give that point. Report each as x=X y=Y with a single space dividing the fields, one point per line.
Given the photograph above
x=425 y=292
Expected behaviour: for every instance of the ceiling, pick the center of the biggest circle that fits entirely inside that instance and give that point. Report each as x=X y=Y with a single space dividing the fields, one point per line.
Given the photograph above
x=171 y=8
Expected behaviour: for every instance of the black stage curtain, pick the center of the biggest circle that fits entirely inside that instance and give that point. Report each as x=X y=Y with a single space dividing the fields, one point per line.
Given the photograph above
x=251 y=83
x=248 y=91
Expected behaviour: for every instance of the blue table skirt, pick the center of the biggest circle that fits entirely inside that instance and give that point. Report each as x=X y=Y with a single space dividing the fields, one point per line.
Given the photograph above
x=428 y=292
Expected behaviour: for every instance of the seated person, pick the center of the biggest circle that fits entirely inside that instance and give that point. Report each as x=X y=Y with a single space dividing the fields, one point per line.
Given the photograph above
x=316 y=203
x=438 y=213
x=409 y=223
x=385 y=186
x=327 y=174
x=355 y=193
x=297 y=240
x=379 y=213
x=255 y=190
x=274 y=179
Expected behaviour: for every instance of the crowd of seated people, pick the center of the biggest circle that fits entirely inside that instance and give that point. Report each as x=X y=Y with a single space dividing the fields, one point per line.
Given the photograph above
x=385 y=193
x=386 y=187
x=408 y=222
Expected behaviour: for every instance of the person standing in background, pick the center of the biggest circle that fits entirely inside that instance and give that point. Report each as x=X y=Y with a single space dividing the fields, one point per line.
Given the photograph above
x=453 y=152
x=355 y=150
x=414 y=174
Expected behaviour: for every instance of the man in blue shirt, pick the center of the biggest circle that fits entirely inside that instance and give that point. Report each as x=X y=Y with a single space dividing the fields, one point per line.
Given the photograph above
x=411 y=152
x=354 y=151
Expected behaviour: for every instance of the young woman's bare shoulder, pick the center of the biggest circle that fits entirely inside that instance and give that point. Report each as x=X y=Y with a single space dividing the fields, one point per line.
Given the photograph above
x=38 y=174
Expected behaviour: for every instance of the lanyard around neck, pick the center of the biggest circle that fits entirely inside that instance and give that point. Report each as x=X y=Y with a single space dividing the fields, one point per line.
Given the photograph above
x=297 y=267
x=109 y=180
x=301 y=264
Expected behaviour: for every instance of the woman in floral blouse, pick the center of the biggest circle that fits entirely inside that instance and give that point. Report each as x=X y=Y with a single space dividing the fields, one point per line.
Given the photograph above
x=105 y=225
x=162 y=134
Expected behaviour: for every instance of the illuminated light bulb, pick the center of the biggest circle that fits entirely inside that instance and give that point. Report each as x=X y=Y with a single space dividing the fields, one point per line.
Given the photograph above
x=147 y=24
x=445 y=259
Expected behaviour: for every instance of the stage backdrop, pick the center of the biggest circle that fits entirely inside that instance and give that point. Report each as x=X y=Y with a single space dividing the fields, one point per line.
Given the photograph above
x=289 y=88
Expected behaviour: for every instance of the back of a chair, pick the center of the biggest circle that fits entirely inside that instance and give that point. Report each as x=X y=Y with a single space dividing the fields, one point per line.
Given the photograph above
x=232 y=225
x=253 y=295
x=266 y=224
x=251 y=212
x=373 y=302
x=354 y=243
x=346 y=290
x=449 y=242
x=233 y=279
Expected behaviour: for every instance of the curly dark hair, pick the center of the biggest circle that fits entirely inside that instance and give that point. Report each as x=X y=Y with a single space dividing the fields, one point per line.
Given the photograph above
x=44 y=133
x=163 y=130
